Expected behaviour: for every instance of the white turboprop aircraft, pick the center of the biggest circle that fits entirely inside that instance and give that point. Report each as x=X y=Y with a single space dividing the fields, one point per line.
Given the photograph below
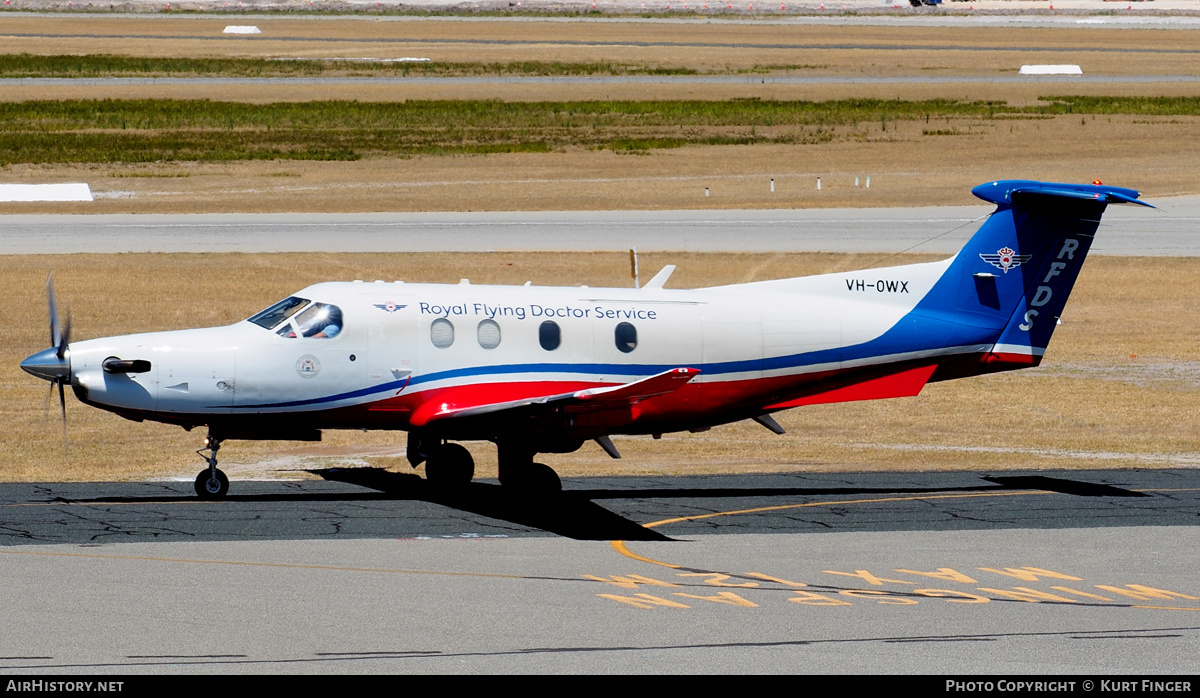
x=542 y=370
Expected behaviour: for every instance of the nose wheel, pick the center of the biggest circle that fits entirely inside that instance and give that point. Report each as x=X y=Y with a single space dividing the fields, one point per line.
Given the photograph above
x=211 y=483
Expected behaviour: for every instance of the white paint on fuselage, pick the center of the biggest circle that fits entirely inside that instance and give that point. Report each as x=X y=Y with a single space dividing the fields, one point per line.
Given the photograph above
x=244 y=368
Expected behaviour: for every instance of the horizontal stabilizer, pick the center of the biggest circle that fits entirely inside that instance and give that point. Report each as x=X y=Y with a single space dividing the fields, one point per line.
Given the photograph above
x=1014 y=192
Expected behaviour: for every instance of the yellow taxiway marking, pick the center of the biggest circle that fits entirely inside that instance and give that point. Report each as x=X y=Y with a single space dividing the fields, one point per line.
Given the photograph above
x=620 y=547
x=285 y=565
x=843 y=501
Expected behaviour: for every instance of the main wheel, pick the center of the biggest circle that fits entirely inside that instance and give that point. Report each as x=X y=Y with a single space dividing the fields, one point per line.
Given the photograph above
x=535 y=478
x=543 y=479
x=450 y=465
x=211 y=484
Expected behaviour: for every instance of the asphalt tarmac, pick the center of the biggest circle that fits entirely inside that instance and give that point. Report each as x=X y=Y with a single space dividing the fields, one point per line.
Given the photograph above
x=373 y=503
x=367 y=571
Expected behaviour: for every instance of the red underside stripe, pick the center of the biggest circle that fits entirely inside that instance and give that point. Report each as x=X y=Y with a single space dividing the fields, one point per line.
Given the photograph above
x=904 y=384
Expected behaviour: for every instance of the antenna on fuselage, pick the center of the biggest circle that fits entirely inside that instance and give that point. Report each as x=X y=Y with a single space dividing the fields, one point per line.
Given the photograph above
x=633 y=267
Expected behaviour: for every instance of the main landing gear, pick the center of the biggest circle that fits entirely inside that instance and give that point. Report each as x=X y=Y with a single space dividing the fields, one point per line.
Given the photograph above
x=518 y=471
x=450 y=465
x=211 y=484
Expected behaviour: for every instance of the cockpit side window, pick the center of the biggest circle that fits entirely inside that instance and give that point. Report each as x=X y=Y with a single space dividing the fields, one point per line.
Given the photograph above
x=320 y=321
x=275 y=315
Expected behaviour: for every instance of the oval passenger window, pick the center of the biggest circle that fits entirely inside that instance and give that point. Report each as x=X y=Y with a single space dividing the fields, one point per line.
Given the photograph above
x=626 y=337
x=489 y=334
x=441 y=333
x=549 y=335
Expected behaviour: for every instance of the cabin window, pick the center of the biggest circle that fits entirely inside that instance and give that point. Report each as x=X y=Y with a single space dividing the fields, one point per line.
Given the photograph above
x=626 y=337
x=489 y=334
x=549 y=335
x=441 y=333
x=271 y=318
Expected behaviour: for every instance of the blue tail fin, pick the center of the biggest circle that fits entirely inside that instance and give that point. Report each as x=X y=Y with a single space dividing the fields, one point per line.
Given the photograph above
x=1013 y=277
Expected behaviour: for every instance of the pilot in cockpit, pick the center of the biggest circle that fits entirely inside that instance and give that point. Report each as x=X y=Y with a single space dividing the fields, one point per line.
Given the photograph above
x=320 y=321
x=316 y=321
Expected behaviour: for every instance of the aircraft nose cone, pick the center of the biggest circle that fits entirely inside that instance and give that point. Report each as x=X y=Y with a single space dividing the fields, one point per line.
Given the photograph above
x=47 y=366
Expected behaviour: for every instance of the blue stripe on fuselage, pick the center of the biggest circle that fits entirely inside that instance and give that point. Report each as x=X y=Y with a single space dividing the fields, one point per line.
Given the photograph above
x=914 y=332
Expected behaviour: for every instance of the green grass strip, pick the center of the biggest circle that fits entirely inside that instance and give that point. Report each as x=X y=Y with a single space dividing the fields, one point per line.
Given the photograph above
x=28 y=65
x=104 y=131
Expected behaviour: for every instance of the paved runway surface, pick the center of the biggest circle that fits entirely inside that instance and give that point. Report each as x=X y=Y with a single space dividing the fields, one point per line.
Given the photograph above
x=1169 y=231
x=1081 y=572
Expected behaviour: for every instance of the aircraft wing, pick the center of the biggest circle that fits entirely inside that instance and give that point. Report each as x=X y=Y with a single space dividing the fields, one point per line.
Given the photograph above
x=443 y=410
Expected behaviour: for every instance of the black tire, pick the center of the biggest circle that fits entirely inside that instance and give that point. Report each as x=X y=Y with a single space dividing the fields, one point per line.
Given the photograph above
x=211 y=488
x=536 y=479
x=450 y=465
x=544 y=480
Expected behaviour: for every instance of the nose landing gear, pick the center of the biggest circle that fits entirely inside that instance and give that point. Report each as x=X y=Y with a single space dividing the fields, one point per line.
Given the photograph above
x=211 y=484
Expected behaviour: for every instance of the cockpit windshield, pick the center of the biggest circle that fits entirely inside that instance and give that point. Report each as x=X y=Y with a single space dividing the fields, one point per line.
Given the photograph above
x=272 y=317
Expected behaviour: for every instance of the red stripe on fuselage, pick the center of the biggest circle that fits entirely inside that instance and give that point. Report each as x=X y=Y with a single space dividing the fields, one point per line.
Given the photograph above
x=902 y=384
x=694 y=405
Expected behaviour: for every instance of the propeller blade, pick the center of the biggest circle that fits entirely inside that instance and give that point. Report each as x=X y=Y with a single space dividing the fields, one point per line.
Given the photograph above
x=62 y=403
x=65 y=336
x=55 y=329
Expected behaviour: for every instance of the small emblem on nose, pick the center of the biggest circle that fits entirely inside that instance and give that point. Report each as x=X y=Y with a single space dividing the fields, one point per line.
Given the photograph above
x=308 y=366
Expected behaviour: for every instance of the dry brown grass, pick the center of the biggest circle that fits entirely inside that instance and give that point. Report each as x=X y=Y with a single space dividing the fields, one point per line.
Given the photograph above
x=1120 y=387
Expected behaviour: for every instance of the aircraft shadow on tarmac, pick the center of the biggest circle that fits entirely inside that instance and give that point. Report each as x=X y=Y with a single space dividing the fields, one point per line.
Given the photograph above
x=571 y=514
x=575 y=514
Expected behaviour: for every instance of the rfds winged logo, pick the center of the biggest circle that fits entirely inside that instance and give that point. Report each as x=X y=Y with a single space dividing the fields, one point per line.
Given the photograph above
x=1006 y=258
x=390 y=307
